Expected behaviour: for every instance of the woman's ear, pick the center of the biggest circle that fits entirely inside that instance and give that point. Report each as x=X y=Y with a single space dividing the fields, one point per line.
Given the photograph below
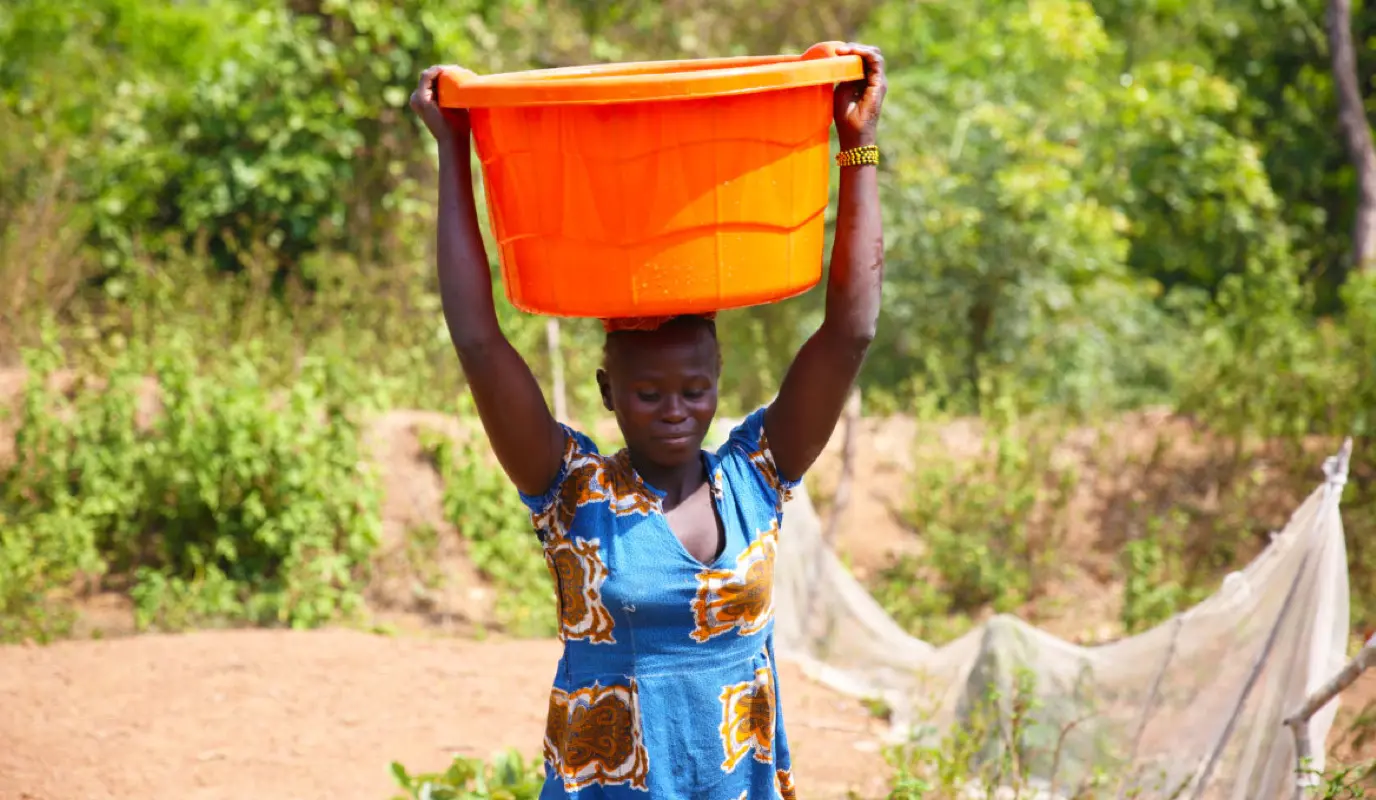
x=604 y=385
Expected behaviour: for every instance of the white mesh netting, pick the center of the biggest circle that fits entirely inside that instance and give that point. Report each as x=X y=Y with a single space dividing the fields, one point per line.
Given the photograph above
x=1191 y=709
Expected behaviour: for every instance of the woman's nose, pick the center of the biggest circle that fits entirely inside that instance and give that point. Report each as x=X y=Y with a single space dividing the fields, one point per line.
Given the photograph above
x=675 y=409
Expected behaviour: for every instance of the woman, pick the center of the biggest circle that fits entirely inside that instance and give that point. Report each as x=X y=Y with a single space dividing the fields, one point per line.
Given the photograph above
x=662 y=554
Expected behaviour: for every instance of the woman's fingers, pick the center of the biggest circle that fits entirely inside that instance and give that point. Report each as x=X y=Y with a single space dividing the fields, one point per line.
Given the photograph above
x=873 y=59
x=874 y=83
x=426 y=88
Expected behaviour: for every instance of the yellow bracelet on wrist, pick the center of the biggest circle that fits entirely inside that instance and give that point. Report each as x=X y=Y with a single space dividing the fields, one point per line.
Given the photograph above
x=855 y=156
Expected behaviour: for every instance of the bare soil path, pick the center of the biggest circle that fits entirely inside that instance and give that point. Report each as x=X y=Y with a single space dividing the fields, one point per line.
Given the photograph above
x=286 y=715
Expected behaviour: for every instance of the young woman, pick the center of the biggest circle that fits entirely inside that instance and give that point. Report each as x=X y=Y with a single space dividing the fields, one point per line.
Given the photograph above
x=662 y=554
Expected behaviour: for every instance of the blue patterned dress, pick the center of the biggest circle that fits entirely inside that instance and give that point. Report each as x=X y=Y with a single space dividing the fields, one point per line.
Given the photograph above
x=667 y=686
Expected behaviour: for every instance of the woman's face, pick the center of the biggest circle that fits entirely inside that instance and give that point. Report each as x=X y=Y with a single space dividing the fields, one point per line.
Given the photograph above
x=662 y=386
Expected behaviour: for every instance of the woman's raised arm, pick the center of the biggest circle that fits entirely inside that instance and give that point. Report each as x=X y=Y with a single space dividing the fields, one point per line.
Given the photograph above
x=801 y=419
x=525 y=437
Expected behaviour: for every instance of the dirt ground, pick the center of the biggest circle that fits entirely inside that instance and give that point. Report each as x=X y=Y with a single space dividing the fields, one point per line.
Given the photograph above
x=301 y=715
x=279 y=714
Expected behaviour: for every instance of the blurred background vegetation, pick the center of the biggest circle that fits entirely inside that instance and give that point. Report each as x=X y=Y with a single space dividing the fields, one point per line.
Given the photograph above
x=1092 y=207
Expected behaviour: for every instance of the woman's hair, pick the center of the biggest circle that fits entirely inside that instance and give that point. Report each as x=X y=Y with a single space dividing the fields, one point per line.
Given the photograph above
x=621 y=329
x=616 y=324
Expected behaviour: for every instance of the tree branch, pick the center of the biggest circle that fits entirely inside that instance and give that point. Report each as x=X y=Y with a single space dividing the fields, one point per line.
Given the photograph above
x=1298 y=723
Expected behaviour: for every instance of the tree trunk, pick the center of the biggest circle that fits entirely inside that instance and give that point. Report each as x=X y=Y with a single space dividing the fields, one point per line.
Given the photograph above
x=1355 y=130
x=840 y=501
x=556 y=368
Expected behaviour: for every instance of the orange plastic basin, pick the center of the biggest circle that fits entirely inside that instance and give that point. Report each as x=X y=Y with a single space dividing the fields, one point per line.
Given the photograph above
x=656 y=188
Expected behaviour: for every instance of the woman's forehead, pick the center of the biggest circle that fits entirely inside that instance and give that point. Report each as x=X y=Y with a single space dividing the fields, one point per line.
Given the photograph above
x=663 y=351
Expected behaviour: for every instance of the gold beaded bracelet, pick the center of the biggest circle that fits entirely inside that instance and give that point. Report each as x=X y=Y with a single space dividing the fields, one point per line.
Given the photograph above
x=868 y=154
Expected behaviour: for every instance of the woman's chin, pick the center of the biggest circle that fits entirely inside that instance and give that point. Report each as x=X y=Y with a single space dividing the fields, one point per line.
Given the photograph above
x=676 y=451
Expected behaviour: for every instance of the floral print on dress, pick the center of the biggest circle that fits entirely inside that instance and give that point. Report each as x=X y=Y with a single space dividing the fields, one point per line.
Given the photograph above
x=591 y=479
x=742 y=598
x=763 y=460
x=593 y=736
x=747 y=720
x=783 y=784
x=578 y=572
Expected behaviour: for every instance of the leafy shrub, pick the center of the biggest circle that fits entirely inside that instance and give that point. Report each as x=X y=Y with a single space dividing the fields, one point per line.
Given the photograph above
x=991 y=525
x=481 y=502
x=1006 y=740
x=1013 y=745
x=232 y=502
x=1343 y=781
x=37 y=558
x=1157 y=584
x=1266 y=371
x=508 y=777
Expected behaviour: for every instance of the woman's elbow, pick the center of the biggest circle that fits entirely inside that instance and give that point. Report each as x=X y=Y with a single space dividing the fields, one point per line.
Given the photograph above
x=863 y=337
x=854 y=336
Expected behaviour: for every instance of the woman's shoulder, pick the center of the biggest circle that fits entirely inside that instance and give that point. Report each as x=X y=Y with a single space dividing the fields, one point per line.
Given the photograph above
x=746 y=453
x=579 y=444
x=579 y=450
x=589 y=479
x=746 y=431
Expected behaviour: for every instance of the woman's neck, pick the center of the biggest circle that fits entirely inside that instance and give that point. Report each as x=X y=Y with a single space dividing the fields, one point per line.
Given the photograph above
x=677 y=482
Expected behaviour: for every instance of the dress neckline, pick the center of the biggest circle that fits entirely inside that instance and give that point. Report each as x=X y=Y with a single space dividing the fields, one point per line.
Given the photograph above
x=716 y=491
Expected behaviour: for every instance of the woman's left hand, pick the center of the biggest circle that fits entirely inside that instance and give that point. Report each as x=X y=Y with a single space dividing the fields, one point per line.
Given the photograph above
x=856 y=104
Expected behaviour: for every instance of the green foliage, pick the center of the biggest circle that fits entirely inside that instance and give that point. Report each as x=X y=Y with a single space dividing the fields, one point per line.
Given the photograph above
x=1064 y=180
x=1012 y=742
x=1042 y=202
x=232 y=502
x=1266 y=369
x=991 y=525
x=508 y=776
x=1157 y=584
x=283 y=123
x=38 y=558
x=1008 y=739
x=1342 y=782
x=1047 y=175
x=1276 y=55
x=481 y=502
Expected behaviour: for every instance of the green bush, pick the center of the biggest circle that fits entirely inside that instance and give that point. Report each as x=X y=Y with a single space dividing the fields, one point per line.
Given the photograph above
x=233 y=502
x=1014 y=738
x=482 y=503
x=508 y=776
x=1343 y=781
x=991 y=525
x=39 y=557
x=1007 y=737
x=1157 y=585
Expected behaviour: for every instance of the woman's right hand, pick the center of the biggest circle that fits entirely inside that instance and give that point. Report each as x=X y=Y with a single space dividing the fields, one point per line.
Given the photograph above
x=447 y=125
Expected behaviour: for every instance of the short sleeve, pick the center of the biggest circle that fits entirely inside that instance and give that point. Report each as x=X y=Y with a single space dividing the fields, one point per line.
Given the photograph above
x=748 y=445
x=576 y=447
